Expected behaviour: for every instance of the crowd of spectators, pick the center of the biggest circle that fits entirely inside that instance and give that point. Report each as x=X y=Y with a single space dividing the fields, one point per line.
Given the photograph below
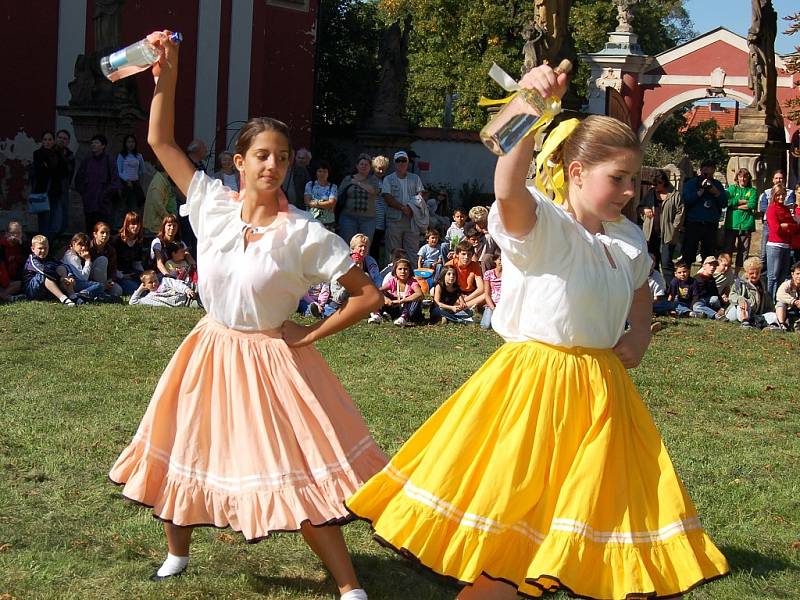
x=430 y=268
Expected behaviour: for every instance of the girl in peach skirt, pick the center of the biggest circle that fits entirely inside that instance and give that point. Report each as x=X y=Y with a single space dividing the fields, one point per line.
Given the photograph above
x=248 y=427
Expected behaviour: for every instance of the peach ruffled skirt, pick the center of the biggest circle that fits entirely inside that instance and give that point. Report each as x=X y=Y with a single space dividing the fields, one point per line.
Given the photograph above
x=245 y=432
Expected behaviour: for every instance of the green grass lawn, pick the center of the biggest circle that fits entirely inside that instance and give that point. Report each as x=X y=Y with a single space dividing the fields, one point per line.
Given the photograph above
x=75 y=383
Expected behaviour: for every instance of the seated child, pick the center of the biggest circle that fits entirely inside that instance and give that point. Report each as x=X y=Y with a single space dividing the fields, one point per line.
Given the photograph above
x=705 y=296
x=78 y=260
x=658 y=290
x=493 y=279
x=470 y=276
x=486 y=248
x=448 y=301
x=750 y=304
x=402 y=295
x=787 y=308
x=170 y=293
x=317 y=294
x=724 y=277
x=430 y=255
x=455 y=234
x=387 y=271
x=44 y=277
x=337 y=296
x=8 y=288
x=679 y=292
x=177 y=265
x=13 y=244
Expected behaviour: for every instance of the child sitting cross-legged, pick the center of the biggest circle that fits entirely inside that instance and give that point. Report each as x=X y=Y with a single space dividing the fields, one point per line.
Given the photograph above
x=430 y=255
x=470 y=276
x=170 y=293
x=493 y=279
x=178 y=266
x=750 y=304
x=724 y=277
x=45 y=277
x=679 y=291
x=705 y=296
x=402 y=296
x=337 y=294
x=787 y=308
x=448 y=301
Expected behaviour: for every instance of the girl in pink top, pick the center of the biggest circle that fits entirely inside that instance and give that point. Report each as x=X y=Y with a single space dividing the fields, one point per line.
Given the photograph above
x=402 y=296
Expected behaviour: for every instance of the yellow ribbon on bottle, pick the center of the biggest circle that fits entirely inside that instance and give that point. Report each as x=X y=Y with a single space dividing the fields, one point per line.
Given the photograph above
x=509 y=84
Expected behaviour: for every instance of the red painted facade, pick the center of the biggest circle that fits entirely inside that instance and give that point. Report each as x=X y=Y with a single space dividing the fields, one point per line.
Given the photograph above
x=29 y=31
x=281 y=64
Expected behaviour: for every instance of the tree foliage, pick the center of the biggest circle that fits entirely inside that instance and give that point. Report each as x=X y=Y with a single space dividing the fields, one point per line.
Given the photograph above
x=347 y=61
x=455 y=42
x=671 y=142
x=452 y=46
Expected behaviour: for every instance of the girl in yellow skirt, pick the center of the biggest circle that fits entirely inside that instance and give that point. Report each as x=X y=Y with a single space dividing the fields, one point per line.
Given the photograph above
x=545 y=471
x=248 y=427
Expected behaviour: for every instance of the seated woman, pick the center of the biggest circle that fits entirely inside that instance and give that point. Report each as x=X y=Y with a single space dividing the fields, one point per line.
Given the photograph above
x=128 y=246
x=170 y=231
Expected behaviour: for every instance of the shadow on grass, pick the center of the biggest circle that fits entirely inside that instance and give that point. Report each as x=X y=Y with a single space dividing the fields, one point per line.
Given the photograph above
x=382 y=576
x=755 y=563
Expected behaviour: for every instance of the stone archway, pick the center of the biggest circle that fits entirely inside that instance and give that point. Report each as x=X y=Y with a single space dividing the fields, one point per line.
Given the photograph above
x=669 y=106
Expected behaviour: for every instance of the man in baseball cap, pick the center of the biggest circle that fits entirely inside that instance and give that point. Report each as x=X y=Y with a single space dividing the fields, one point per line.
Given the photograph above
x=399 y=190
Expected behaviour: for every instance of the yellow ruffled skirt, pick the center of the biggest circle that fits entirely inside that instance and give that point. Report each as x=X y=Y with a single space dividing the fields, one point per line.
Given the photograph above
x=544 y=470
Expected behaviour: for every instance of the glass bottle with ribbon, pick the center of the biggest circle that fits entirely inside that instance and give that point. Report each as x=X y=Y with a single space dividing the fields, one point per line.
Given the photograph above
x=523 y=113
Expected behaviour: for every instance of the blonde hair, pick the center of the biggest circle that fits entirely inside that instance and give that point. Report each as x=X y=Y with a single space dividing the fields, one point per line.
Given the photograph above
x=478 y=214
x=724 y=256
x=752 y=263
x=596 y=139
x=39 y=240
x=148 y=275
x=380 y=162
x=358 y=238
x=778 y=190
x=592 y=141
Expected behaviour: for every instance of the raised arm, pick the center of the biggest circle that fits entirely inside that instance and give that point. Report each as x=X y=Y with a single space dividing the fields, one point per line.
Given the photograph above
x=514 y=202
x=161 y=133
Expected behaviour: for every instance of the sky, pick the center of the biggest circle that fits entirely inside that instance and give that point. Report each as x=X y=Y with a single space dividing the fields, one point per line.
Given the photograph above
x=736 y=14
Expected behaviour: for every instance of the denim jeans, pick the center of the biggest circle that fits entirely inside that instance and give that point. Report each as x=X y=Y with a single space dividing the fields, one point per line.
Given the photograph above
x=462 y=316
x=349 y=225
x=682 y=309
x=777 y=268
x=662 y=308
x=761 y=321
x=486 y=319
x=708 y=307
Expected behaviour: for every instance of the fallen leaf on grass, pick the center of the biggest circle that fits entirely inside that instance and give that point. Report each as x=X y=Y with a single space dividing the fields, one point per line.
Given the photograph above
x=769 y=387
x=5 y=547
x=793 y=546
x=227 y=538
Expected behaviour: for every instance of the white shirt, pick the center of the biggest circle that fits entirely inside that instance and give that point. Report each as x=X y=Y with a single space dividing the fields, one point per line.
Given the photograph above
x=404 y=190
x=658 y=286
x=258 y=286
x=558 y=284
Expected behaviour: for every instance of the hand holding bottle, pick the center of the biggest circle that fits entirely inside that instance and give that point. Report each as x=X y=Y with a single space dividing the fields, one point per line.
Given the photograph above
x=168 y=52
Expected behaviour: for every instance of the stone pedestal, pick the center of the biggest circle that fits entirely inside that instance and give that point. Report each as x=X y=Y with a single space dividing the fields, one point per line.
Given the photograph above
x=757 y=147
x=384 y=141
x=114 y=122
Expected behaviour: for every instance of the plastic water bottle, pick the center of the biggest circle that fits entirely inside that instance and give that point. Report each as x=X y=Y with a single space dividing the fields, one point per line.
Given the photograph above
x=133 y=59
x=517 y=119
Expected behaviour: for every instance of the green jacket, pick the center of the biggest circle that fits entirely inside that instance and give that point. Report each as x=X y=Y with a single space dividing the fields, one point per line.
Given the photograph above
x=741 y=219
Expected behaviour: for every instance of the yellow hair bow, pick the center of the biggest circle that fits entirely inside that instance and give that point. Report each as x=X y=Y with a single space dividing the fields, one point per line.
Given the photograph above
x=550 y=178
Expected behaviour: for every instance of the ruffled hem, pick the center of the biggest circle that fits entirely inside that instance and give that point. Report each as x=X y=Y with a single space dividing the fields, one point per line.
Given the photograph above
x=255 y=514
x=662 y=569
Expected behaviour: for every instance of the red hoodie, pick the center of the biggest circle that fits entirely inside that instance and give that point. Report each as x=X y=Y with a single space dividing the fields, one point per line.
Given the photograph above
x=776 y=215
